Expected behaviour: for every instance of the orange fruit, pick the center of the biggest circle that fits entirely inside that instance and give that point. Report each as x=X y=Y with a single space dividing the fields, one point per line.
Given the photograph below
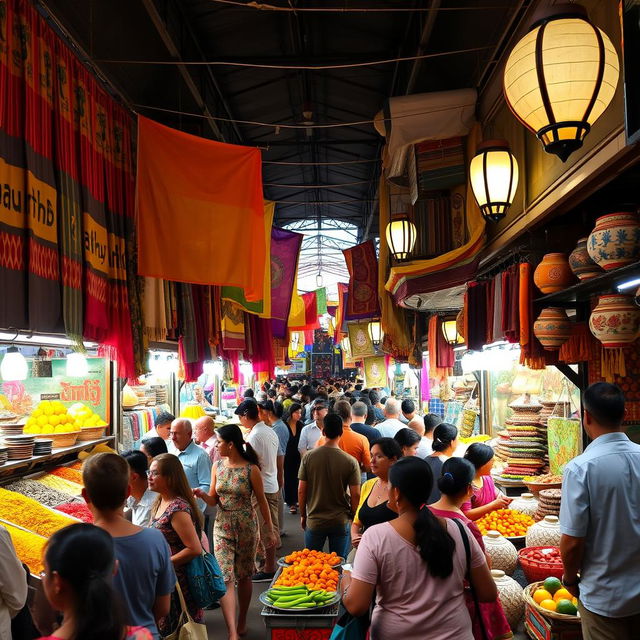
x=550 y=605
x=562 y=594
x=541 y=594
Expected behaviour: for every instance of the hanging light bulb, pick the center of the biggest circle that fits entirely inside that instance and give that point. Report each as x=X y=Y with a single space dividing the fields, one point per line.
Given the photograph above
x=319 y=281
x=560 y=78
x=77 y=365
x=14 y=365
x=401 y=236
x=450 y=332
x=375 y=332
x=494 y=178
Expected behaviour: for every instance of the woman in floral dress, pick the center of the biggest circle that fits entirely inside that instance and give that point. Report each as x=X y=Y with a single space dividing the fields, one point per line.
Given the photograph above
x=235 y=532
x=176 y=514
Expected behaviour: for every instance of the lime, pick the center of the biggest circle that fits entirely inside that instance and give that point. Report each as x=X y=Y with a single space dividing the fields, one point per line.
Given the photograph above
x=567 y=607
x=552 y=585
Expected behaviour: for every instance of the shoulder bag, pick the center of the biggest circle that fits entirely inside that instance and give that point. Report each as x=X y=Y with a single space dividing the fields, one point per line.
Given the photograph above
x=206 y=584
x=187 y=628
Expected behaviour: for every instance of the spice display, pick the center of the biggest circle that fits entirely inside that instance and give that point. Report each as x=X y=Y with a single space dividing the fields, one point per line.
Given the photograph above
x=73 y=475
x=61 y=484
x=76 y=465
x=36 y=490
x=77 y=510
x=29 y=514
x=507 y=522
x=29 y=548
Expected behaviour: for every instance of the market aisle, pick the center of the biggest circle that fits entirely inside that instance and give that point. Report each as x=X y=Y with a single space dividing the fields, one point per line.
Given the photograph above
x=292 y=541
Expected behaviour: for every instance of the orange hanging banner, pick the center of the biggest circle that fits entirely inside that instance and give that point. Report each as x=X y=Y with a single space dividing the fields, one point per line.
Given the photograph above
x=200 y=211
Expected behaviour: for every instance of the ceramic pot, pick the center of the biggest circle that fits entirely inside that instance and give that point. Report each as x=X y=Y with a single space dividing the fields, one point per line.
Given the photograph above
x=526 y=504
x=552 y=328
x=581 y=263
x=553 y=273
x=615 y=321
x=615 y=240
x=545 y=533
x=504 y=556
x=510 y=594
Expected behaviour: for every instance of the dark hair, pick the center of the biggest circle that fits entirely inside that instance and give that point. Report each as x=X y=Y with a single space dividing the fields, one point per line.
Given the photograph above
x=248 y=408
x=231 y=433
x=359 y=409
x=137 y=461
x=371 y=415
x=155 y=446
x=266 y=405
x=457 y=475
x=106 y=480
x=406 y=437
x=84 y=556
x=332 y=426
x=604 y=402
x=408 y=406
x=374 y=396
x=389 y=446
x=343 y=409
x=358 y=387
x=248 y=393
x=271 y=393
x=278 y=410
x=293 y=407
x=443 y=435
x=431 y=421
x=413 y=478
x=478 y=454
x=163 y=417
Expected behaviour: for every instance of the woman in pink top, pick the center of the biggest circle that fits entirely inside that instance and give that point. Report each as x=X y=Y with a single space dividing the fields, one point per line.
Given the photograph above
x=416 y=564
x=485 y=497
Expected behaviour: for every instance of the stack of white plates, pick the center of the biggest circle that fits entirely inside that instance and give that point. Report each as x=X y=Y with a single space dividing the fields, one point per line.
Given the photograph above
x=20 y=447
x=4 y=455
x=42 y=447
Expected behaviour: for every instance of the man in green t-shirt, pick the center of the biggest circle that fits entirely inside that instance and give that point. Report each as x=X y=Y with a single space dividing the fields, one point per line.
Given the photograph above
x=326 y=507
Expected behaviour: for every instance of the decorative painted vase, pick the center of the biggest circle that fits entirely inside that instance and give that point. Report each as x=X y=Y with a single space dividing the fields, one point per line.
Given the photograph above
x=545 y=533
x=552 y=328
x=615 y=240
x=581 y=263
x=526 y=504
x=504 y=556
x=553 y=273
x=615 y=321
x=510 y=594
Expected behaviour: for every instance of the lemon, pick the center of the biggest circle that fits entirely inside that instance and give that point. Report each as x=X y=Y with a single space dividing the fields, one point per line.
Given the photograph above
x=37 y=413
x=48 y=410
x=562 y=594
x=549 y=605
x=42 y=420
x=60 y=428
x=540 y=595
x=54 y=420
x=47 y=429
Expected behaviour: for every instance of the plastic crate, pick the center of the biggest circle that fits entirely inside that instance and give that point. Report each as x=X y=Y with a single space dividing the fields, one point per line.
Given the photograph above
x=305 y=626
x=539 y=627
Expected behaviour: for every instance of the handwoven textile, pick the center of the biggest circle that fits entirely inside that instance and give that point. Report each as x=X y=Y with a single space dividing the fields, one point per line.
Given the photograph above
x=285 y=251
x=363 y=284
x=154 y=310
x=321 y=301
x=375 y=372
x=232 y=326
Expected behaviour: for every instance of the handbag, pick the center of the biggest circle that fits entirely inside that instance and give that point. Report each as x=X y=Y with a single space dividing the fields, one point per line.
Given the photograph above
x=206 y=584
x=187 y=628
x=350 y=627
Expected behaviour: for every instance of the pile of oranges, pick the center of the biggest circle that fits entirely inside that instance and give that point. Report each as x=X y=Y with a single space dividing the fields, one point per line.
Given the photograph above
x=312 y=569
x=508 y=522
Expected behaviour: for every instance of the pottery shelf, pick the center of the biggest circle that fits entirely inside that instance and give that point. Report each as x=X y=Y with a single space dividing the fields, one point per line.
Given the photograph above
x=604 y=283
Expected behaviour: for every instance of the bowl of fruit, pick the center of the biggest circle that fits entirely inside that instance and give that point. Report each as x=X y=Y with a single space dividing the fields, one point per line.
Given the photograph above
x=540 y=562
x=513 y=525
x=552 y=600
x=308 y=557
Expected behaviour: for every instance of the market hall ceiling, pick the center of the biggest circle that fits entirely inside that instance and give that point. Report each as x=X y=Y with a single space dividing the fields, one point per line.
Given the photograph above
x=126 y=39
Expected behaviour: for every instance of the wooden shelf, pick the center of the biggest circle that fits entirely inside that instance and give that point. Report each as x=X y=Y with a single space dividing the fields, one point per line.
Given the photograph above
x=29 y=463
x=604 y=283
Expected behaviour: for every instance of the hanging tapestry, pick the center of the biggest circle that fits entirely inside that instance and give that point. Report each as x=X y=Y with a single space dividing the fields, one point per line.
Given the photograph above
x=360 y=340
x=297 y=312
x=206 y=197
x=285 y=250
x=154 y=310
x=363 y=285
x=375 y=372
x=440 y=163
x=232 y=323
x=321 y=301
x=310 y=312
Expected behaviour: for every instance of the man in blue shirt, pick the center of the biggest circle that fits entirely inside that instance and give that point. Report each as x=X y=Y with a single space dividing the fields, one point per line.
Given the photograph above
x=600 y=521
x=195 y=460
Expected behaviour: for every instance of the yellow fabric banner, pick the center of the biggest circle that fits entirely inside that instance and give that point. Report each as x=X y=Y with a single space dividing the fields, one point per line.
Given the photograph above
x=297 y=312
x=360 y=340
x=375 y=373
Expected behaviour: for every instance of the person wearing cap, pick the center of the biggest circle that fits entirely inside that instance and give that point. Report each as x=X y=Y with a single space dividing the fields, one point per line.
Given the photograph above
x=312 y=432
x=162 y=426
x=265 y=443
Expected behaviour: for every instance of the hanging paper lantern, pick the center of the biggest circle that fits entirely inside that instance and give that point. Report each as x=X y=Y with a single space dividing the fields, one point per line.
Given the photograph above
x=560 y=78
x=401 y=236
x=450 y=332
x=375 y=331
x=494 y=178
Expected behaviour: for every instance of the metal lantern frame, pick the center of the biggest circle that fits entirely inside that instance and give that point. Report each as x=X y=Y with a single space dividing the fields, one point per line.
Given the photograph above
x=452 y=337
x=495 y=210
x=408 y=235
x=549 y=135
x=375 y=332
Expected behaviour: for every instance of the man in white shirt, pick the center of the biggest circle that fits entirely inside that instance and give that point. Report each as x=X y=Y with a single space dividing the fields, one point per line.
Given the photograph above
x=312 y=432
x=162 y=427
x=264 y=441
x=141 y=498
x=391 y=424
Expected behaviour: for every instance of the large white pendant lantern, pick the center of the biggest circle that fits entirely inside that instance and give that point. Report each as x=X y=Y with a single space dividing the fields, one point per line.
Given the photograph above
x=14 y=365
x=401 y=236
x=494 y=178
x=560 y=78
x=375 y=332
x=77 y=365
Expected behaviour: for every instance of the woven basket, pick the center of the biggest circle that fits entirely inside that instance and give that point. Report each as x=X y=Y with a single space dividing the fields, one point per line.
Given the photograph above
x=66 y=439
x=527 y=594
x=91 y=433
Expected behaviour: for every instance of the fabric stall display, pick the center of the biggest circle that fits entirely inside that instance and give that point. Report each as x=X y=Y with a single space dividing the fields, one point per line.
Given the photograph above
x=441 y=356
x=453 y=412
x=363 y=268
x=154 y=307
x=260 y=346
x=476 y=313
x=434 y=213
x=532 y=353
x=436 y=406
x=321 y=301
x=135 y=424
x=193 y=344
x=340 y=320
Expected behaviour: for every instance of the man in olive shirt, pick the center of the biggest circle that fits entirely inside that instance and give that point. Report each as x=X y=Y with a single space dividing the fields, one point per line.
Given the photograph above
x=325 y=506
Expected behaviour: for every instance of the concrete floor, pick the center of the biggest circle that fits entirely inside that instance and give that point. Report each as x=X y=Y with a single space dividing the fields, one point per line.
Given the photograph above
x=257 y=631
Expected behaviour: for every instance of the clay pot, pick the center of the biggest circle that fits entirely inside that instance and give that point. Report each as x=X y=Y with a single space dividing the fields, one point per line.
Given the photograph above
x=552 y=328
x=504 y=556
x=545 y=533
x=553 y=273
x=526 y=504
x=511 y=598
x=615 y=240
x=615 y=321
x=581 y=263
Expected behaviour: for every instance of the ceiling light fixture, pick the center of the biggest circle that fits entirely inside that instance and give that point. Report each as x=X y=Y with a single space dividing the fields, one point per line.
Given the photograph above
x=14 y=365
x=401 y=236
x=375 y=332
x=77 y=365
x=450 y=332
